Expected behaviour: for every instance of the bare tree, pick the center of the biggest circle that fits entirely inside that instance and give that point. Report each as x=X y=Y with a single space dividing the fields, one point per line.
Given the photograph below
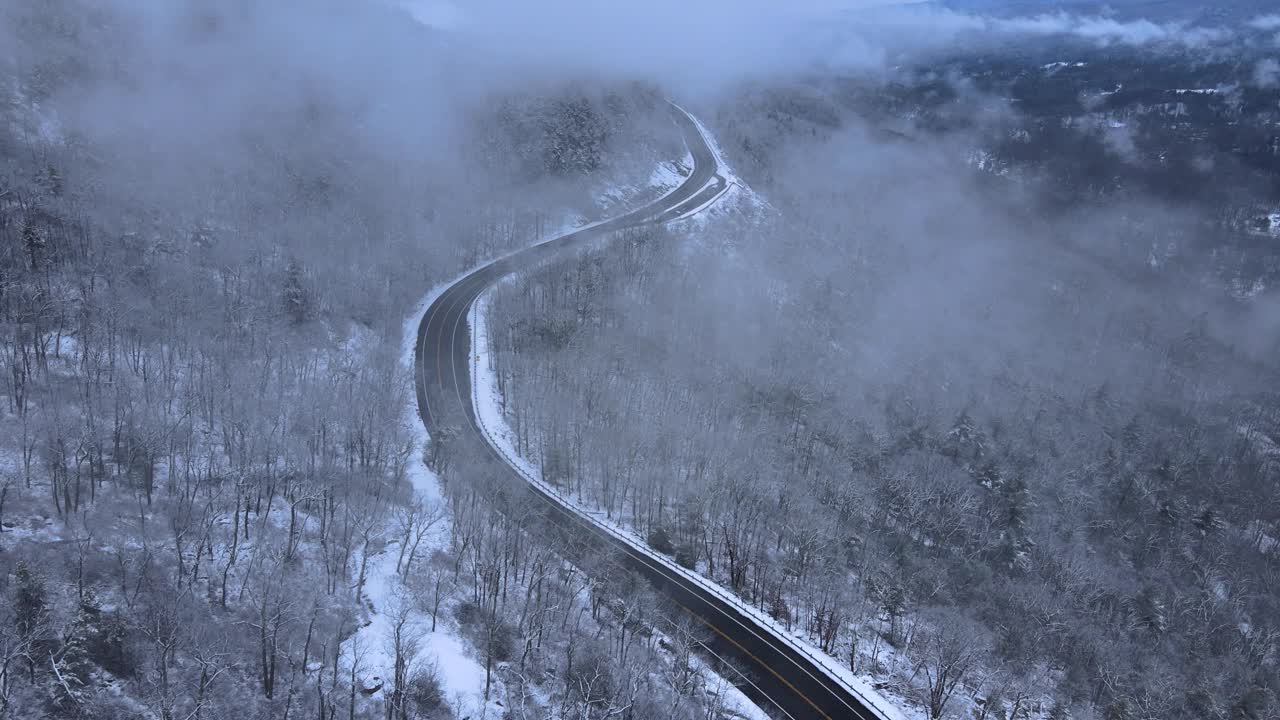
x=949 y=646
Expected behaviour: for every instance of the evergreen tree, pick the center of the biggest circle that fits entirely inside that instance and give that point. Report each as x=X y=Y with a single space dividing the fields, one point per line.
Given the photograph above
x=29 y=600
x=297 y=301
x=52 y=180
x=72 y=666
x=1017 y=507
x=101 y=634
x=1255 y=704
x=34 y=243
x=31 y=614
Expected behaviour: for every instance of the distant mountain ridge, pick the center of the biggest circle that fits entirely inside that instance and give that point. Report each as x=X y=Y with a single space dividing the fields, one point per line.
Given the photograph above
x=1189 y=11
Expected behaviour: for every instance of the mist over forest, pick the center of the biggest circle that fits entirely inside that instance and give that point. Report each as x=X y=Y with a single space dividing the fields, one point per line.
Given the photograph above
x=965 y=381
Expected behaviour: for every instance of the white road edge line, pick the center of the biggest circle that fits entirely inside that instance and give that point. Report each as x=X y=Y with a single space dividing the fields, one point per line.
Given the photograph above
x=665 y=567
x=482 y=429
x=638 y=552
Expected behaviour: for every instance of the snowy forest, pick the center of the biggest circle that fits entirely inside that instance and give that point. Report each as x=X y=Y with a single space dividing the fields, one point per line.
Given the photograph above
x=863 y=436
x=209 y=448
x=1002 y=448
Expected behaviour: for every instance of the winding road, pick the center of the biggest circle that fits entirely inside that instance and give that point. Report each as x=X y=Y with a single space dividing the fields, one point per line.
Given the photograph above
x=776 y=673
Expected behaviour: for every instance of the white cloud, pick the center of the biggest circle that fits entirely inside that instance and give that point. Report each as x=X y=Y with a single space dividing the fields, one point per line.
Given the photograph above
x=691 y=45
x=1104 y=30
x=1133 y=32
x=1265 y=22
x=684 y=40
x=434 y=13
x=1266 y=74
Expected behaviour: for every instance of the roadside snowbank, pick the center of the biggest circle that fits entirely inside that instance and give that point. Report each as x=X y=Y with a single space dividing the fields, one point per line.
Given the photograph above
x=487 y=401
x=739 y=193
x=664 y=180
x=461 y=675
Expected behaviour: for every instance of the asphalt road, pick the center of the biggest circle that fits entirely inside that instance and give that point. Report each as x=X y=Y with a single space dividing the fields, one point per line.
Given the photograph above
x=782 y=680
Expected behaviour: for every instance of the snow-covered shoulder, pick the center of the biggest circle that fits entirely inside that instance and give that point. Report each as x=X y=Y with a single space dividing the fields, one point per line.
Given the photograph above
x=487 y=401
x=739 y=193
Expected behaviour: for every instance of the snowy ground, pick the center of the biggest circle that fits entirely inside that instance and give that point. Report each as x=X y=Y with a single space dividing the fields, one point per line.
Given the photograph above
x=461 y=675
x=666 y=177
x=1269 y=226
x=739 y=196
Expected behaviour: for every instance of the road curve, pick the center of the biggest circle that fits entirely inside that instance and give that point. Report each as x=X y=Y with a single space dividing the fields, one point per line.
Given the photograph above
x=778 y=677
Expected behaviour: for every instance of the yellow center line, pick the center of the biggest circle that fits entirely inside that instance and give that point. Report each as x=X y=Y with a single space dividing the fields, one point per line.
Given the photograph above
x=758 y=661
x=448 y=307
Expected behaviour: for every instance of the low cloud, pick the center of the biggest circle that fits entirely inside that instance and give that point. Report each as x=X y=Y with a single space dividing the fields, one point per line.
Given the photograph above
x=1266 y=74
x=682 y=44
x=707 y=43
x=922 y=27
x=1266 y=23
x=1108 y=31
